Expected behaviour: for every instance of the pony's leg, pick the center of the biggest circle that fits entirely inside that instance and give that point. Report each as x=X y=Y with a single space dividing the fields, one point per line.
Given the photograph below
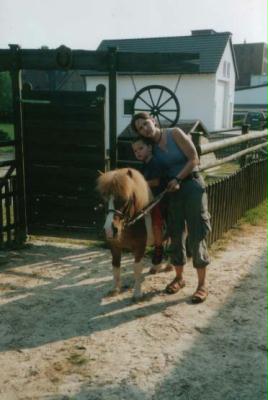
x=116 y=261
x=117 y=280
x=138 y=267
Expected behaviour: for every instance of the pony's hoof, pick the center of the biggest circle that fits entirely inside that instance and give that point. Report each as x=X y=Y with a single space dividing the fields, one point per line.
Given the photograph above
x=155 y=269
x=113 y=292
x=137 y=297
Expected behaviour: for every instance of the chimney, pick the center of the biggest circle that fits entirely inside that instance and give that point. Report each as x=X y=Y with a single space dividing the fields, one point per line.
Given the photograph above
x=200 y=32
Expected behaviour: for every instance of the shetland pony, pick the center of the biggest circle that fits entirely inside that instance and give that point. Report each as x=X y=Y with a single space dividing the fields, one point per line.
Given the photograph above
x=126 y=193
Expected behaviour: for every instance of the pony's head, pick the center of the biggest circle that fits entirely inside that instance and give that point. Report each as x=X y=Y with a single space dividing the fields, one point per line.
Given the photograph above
x=126 y=192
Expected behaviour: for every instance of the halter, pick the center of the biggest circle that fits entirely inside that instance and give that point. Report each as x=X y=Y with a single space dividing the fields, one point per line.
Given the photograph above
x=146 y=209
x=116 y=212
x=124 y=213
x=128 y=220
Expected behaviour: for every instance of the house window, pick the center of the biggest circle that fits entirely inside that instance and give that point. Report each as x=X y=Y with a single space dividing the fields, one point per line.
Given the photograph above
x=128 y=107
x=224 y=68
x=228 y=69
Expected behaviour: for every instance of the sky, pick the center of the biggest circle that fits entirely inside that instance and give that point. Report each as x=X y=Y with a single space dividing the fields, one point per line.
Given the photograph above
x=83 y=24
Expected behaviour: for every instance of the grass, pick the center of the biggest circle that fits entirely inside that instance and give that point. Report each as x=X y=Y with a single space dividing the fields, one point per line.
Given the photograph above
x=214 y=174
x=255 y=216
x=9 y=129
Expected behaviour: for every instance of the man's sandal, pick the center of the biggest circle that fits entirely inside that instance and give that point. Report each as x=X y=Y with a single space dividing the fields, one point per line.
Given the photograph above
x=200 y=295
x=174 y=286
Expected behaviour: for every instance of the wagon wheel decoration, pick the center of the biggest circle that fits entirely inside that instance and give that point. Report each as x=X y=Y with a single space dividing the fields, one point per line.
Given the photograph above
x=158 y=101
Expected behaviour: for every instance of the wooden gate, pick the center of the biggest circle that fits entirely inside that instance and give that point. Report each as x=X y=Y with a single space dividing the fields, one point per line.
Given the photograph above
x=63 y=137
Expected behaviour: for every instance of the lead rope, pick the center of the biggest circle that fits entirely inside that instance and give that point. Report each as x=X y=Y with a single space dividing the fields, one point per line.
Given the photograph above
x=146 y=209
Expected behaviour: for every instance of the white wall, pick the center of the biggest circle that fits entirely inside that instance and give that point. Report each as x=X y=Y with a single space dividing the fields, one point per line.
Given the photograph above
x=224 y=91
x=256 y=96
x=258 y=80
x=191 y=92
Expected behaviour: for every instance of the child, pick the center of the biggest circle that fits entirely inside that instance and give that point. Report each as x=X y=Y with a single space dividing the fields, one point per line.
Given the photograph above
x=151 y=170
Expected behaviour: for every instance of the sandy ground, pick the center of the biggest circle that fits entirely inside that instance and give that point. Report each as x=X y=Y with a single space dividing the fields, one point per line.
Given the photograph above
x=61 y=337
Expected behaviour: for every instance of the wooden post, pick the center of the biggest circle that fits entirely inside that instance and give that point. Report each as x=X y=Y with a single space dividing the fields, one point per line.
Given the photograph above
x=196 y=136
x=18 y=133
x=112 y=107
x=242 y=160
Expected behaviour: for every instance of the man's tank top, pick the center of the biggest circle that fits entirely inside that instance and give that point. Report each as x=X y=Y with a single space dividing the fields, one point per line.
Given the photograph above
x=172 y=157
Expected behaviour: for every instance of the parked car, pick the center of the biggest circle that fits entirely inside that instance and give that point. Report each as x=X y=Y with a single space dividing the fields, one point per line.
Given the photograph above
x=239 y=118
x=257 y=120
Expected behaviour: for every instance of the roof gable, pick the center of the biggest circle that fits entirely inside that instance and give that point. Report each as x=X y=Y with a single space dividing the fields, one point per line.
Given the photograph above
x=210 y=47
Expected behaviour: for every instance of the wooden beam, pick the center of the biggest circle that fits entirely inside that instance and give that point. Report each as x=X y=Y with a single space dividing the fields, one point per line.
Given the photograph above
x=46 y=59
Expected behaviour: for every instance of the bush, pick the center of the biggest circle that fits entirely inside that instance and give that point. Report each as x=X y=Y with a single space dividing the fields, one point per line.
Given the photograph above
x=3 y=135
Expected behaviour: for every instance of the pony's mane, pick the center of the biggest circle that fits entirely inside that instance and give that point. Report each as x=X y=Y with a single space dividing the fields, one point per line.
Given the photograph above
x=125 y=183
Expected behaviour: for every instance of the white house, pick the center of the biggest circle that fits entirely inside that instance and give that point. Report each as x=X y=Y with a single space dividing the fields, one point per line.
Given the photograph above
x=252 y=98
x=256 y=80
x=207 y=96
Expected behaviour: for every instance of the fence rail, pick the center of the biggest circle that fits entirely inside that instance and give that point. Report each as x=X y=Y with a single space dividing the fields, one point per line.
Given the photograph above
x=221 y=144
x=230 y=149
x=232 y=157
